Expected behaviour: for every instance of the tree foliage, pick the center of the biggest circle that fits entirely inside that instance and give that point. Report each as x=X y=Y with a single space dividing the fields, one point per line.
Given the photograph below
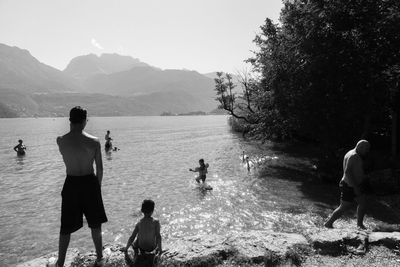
x=328 y=72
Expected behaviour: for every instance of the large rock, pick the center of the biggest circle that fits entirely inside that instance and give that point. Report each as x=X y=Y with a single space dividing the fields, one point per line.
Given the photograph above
x=251 y=246
x=337 y=241
x=113 y=257
x=195 y=251
x=264 y=246
x=389 y=240
x=72 y=254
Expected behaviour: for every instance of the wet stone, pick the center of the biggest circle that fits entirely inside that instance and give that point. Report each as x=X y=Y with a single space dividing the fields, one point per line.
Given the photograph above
x=338 y=241
x=264 y=246
x=195 y=251
x=72 y=254
x=389 y=240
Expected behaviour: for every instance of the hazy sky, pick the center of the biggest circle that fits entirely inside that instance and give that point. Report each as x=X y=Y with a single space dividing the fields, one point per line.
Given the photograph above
x=202 y=35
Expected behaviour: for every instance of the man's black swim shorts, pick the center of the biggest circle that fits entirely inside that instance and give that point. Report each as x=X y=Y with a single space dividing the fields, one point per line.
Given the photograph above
x=346 y=192
x=81 y=195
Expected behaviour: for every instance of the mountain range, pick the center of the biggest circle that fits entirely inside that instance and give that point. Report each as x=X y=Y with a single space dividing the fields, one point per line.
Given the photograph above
x=108 y=85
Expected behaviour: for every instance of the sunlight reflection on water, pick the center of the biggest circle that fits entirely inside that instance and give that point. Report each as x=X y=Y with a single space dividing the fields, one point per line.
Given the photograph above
x=155 y=155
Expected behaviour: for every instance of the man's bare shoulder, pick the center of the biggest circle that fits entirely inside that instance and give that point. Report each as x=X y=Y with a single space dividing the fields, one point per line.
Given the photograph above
x=61 y=138
x=354 y=158
x=90 y=137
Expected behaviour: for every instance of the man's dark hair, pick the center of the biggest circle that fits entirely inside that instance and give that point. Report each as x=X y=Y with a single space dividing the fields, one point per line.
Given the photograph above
x=147 y=206
x=77 y=115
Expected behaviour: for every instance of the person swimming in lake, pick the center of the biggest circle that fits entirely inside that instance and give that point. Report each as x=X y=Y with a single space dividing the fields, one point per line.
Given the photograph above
x=20 y=148
x=202 y=170
x=146 y=238
x=107 y=135
x=108 y=145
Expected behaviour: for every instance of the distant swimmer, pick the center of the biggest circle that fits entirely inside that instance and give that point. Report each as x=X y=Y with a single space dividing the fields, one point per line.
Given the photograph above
x=202 y=170
x=107 y=135
x=248 y=163
x=20 y=148
x=244 y=156
x=108 y=145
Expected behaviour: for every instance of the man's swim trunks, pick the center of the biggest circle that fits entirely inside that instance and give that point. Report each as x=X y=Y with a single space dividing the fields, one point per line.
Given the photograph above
x=202 y=177
x=81 y=195
x=347 y=192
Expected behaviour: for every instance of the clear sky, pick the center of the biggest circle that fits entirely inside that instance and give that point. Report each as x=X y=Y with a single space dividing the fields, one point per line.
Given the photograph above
x=202 y=35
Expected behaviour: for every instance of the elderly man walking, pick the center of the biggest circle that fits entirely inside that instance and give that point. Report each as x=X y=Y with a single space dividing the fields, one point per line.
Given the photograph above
x=351 y=184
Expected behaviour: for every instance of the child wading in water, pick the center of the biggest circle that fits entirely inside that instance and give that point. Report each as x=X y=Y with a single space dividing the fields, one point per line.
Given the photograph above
x=147 y=246
x=202 y=171
x=20 y=148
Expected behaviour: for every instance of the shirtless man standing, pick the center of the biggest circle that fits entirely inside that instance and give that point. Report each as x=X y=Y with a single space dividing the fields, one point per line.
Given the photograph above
x=81 y=193
x=350 y=184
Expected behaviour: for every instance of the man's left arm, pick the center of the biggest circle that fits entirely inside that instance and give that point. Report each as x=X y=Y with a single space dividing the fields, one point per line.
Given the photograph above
x=99 y=162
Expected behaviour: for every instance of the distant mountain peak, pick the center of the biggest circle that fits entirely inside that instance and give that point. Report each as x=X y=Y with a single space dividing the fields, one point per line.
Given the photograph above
x=86 y=66
x=21 y=71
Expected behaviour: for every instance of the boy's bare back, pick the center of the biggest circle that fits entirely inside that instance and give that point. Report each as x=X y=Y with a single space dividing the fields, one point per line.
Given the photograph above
x=148 y=229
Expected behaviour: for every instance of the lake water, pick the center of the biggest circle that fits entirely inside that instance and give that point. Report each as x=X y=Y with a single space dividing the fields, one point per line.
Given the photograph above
x=153 y=161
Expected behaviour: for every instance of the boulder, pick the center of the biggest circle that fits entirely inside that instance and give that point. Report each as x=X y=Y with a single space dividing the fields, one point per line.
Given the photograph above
x=72 y=254
x=389 y=240
x=264 y=246
x=195 y=251
x=113 y=257
x=338 y=241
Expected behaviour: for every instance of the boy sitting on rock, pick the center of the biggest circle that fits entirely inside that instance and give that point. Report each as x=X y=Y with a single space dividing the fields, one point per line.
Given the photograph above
x=147 y=246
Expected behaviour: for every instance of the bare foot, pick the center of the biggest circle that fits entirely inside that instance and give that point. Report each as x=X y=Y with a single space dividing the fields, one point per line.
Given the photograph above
x=52 y=262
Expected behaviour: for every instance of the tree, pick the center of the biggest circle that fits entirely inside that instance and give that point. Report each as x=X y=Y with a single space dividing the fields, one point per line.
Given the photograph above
x=327 y=73
x=242 y=106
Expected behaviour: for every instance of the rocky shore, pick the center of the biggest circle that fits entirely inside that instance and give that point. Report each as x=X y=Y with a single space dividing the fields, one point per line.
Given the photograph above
x=327 y=247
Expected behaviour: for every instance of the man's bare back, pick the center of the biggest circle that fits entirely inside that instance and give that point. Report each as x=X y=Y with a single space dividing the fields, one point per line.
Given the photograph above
x=352 y=169
x=79 y=151
x=353 y=172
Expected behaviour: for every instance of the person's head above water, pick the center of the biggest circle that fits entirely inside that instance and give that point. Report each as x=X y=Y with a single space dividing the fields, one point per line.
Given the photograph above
x=201 y=161
x=147 y=206
x=362 y=147
x=108 y=131
x=20 y=141
x=77 y=115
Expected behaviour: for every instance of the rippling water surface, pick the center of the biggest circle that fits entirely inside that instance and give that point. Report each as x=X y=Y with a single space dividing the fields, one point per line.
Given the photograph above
x=153 y=161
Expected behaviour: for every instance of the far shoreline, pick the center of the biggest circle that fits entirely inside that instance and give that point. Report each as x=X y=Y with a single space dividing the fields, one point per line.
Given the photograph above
x=112 y=116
